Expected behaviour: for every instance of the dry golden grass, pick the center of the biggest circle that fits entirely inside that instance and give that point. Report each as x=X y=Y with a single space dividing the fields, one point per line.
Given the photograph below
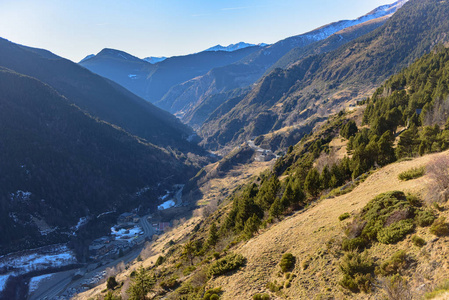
x=308 y=235
x=305 y=235
x=218 y=188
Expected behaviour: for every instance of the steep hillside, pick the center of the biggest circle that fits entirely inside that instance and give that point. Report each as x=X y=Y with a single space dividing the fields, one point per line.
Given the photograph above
x=60 y=165
x=152 y=81
x=318 y=85
x=100 y=97
x=357 y=209
x=189 y=95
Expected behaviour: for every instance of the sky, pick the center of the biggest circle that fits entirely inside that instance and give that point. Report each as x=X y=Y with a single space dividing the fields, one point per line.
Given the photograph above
x=76 y=28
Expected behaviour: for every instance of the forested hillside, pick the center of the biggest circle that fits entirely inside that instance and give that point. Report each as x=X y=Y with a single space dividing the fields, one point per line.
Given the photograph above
x=100 y=97
x=59 y=164
x=373 y=251
x=317 y=85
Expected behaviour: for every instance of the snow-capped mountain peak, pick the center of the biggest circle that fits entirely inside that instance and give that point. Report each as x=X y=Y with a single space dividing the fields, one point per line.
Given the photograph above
x=233 y=47
x=154 y=60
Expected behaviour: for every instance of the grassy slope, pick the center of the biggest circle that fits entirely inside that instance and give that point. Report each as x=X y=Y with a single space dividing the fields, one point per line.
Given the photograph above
x=294 y=235
x=306 y=233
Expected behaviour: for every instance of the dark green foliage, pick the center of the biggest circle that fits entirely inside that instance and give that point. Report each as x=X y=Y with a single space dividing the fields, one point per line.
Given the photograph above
x=274 y=287
x=440 y=227
x=188 y=270
x=395 y=232
x=65 y=157
x=261 y=297
x=287 y=262
x=170 y=283
x=413 y=173
x=349 y=129
x=344 y=216
x=357 y=269
x=111 y=283
x=159 y=261
x=213 y=235
x=251 y=226
x=397 y=263
x=226 y=264
x=425 y=218
x=212 y=294
x=268 y=192
x=276 y=209
x=141 y=285
x=418 y=241
x=357 y=243
x=110 y=296
x=312 y=183
x=387 y=218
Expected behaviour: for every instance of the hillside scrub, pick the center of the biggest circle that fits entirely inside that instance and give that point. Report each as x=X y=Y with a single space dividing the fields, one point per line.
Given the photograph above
x=413 y=173
x=388 y=218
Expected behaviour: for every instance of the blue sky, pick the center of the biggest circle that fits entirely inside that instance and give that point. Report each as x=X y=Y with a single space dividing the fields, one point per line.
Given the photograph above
x=76 y=28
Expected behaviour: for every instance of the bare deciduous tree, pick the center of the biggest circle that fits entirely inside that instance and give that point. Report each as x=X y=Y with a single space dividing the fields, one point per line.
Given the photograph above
x=438 y=172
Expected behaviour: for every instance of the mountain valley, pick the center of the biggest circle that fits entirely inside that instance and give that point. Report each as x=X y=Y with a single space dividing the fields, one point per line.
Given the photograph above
x=315 y=167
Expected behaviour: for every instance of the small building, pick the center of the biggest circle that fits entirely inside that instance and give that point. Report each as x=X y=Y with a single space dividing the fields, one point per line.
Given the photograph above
x=126 y=217
x=161 y=226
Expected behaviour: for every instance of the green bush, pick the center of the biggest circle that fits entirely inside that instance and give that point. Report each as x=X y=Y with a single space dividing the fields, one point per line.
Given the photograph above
x=287 y=262
x=358 y=243
x=440 y=289
x=226 y=264
x=356 y=269
x=425 y=218
x=274 y=286
x=344 y=216
x=418 y=241
x=169 y=283
x=111 y=283
x=395 y=232
x=387 y=218
x=188 y=270
x=261 y=297
x=413 y=173
x=394 y=265
x=159 y=261
x=212 y=294
x=440 y=227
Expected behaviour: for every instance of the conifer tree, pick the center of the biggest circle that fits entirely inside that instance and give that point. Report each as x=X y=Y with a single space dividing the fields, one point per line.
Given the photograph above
x=142 y=284
x=312 y=183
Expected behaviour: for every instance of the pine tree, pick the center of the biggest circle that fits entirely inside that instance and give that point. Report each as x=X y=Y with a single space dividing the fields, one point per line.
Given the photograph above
x=142 y=284
x=312 y=184
x=276 y=209
x=325 y=177
x=213 y=235
x=386 y=150
x=251 y=226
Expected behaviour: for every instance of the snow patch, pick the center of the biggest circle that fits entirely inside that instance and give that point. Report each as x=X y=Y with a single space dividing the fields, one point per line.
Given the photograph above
x=126 y=234
x=154 y=60
x=233 y=47
x=38 y=259
x=20 y=195
x=36 y=281
x=3 y=280
x=166 y=204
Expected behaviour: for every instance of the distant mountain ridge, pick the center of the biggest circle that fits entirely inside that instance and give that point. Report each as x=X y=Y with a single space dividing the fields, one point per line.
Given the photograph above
x=320 y=84
x=234 y=47
x=61 y=164
x=181 y=99
x=152 y=81
x=154 y=60
x=100 y=97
